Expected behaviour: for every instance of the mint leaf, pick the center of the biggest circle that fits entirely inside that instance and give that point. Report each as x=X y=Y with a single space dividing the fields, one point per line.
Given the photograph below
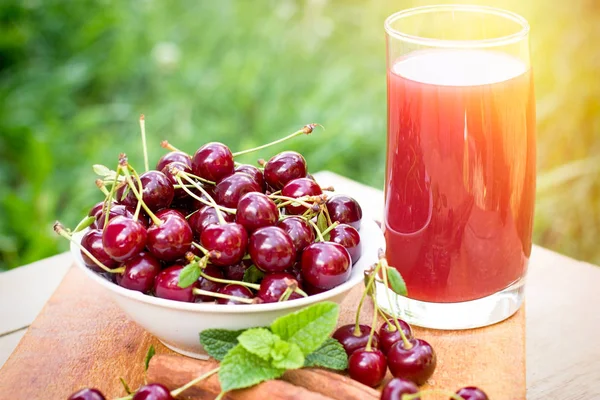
x=217 y=342
x=189 y=274
x=259 y=341
x=253 y=275
x=151 y=352
x=397 y=283
x=330 y=355
x=309 y=327
x=241 y=369
x=287 y=355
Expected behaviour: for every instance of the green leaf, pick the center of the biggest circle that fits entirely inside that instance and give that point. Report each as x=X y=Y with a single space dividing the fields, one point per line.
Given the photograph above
x=84 y=223
x=259 y=341
x=253 y=275
x=322 y=221
x=287 y=355
x=396 y=281
x=101 y=170
x=149 y=355
x=126 y=386
x=217 y=342
x=241 y=369
x=330 y=355
x=309 y=327
x=189 y=274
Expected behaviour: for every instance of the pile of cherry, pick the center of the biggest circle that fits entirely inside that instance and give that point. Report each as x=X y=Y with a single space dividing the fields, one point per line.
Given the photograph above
x=205 y=228
x=410 y=360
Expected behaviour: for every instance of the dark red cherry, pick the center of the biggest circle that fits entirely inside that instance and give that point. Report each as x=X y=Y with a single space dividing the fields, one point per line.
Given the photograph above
x=227 y=243
x=236 y=272
x=352 y=341
x=166 y=286
x=207 y=215
x=415 y=364
x=179 y=157
x=87 y=394
x=345 y=210
x=97 y=207
x=140 y=273
x=255 y=210
x=157 y=191
x=92 y=242
x=208 y=285
x=312 y=290
x=168 y=170
x=396 y=387
x=271 y=249
x=284 y=167
x=213 y=161
x=230 y=190
x=172 y=238
x=254 y=172
x=123 y=238
x=325 y=265
x=274 y=285
x=153 y=391
x=300 y=232
x=297 y=188
x=472 y=393
x=237 y=291
x=116 y=210
x=348 y=237
x=367 y=367
x=388 y=337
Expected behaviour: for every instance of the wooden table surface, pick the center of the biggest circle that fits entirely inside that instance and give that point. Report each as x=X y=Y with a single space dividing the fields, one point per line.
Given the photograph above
x=562 y=323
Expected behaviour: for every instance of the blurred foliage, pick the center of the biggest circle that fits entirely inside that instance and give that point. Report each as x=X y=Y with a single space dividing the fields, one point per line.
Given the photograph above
x=75 y=75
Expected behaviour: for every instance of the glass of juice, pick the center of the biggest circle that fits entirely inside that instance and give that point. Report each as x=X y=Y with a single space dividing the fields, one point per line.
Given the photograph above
x=460 y=170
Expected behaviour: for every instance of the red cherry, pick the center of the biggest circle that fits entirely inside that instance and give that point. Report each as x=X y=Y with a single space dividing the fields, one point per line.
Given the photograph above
x=157 y=191
x=179 y=157
x=123 y=238
x=298 y=188
x=300 y=232
x=178 y=193
x=284 y=167
x=271 y=249
x=256 y=210
x=87 y=394
x=226 y=242
x=140 y=273
x=472 y=393
x=389 y=337
x=116 y=210
x=236 y=272
x=325 y=265
x=207 y=215
x=237 y=291
x=208 y=285
x=213 y=161
x=166 y=286
x=153 y=391
x=97 y=207
x=172 y=238
x=351 y=342
x=230 y=189
x=345 y=210
x=415 y=364
x=274 y=285
x=255 y=173
x=367 y=367
x=397 y=387
x=348 y=237
x=92 y=242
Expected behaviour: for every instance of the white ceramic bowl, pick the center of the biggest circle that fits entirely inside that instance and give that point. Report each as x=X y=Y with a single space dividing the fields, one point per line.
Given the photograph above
x=177 y=324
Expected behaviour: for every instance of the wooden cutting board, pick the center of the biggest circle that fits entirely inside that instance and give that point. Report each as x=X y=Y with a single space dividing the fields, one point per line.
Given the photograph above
x=81 y=338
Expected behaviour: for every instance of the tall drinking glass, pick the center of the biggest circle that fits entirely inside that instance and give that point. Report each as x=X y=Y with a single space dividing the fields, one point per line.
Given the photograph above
x=460 y=176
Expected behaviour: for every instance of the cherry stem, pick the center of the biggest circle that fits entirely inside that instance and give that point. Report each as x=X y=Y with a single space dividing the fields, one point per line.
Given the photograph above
x=200 y=199
x=413 y=396
x=220 y=396
x=307 y=129
x=111 y=194
x=200 y=179
x=299 y=200
x=390 y=327
x=285 y=295
x=326 y=210
x=144 y=146
x=374 y=323
x=101 y=186
x=330 y=228
x=191 y=383
x=316 y=228
x=199 y=247
x=384 y=266
x=254 y=286
x=60 y=229
x=180 y=174
x=138 y=196
x=223 y=296
x=166 y=145
x=138 y=206
x=362 y=300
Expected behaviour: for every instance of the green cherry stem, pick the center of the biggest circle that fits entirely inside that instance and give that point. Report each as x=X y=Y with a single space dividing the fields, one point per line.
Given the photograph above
x=168 y=146
x=200 y=178
x=144 y=146
x=306 y=130
x=138 y=206
x=60 y=229
x=200 y=199
x=138 y=196
x=384 y=267
x=330 y=228
x=191 y=383
x=254 y=286
x=111 y=194
x=300 y=200
x=374 y=323
x=413 y=396
x=223 y=296
x=199 y=247
x=102 y=187
x=316 y=228
x=368 y=287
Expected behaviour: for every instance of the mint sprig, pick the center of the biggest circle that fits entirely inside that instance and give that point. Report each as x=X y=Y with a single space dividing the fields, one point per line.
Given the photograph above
x=299 y=339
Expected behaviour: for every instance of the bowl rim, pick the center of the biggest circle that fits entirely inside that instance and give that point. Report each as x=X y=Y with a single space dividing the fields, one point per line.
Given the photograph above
x=369 y=228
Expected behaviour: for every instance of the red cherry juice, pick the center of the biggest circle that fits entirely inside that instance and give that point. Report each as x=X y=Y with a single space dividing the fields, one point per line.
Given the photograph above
x=460 y=177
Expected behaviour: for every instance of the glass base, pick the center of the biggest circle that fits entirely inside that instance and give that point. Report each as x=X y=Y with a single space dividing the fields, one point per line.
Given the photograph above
x=465 y=315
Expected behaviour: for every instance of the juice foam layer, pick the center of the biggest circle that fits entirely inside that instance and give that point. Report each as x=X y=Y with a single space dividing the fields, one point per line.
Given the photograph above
x=459 y=67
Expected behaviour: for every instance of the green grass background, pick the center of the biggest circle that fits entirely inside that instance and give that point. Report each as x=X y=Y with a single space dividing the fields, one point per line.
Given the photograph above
x=75 y=75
